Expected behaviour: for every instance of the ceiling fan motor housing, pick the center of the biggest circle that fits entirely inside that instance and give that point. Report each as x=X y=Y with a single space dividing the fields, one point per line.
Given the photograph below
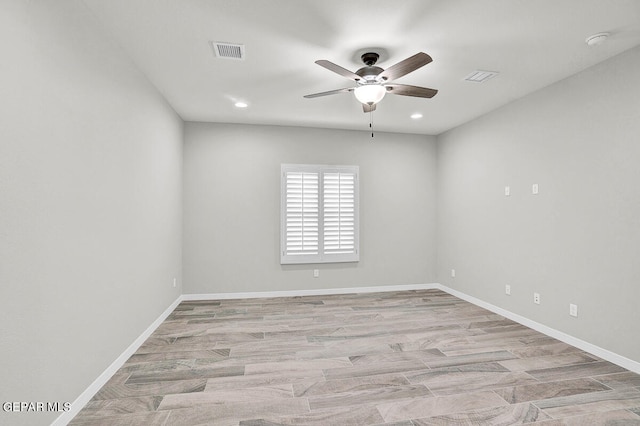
x=368 y=74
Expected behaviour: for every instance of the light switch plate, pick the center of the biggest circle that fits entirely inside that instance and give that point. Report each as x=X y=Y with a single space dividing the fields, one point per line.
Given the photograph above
x=573 y=310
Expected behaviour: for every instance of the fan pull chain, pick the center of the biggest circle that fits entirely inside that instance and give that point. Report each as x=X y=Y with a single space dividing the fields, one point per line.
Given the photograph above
x=371 y=121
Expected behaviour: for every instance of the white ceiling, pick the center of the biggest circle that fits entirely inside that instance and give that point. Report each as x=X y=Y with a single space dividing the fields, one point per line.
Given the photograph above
x=532 y=43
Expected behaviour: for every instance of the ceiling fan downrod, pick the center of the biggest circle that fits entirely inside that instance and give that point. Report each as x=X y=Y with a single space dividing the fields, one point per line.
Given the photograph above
x=370 y=58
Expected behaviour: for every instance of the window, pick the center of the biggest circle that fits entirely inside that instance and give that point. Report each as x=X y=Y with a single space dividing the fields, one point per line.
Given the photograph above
x=319 y=214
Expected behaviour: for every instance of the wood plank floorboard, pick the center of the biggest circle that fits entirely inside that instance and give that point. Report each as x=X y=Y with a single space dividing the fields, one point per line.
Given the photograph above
x=407 y=358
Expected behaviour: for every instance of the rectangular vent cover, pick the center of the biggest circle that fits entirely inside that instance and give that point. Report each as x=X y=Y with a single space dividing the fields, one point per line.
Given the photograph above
x=227 y=50
x=480 y=76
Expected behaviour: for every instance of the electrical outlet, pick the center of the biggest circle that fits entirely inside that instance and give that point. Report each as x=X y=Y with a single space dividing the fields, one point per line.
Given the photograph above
x=507 y=191
x=534 y=188
x=573 y=310
x=316 y=273
x=453 y=273
x=175 y=282
x=507 y=290
x=536 y=298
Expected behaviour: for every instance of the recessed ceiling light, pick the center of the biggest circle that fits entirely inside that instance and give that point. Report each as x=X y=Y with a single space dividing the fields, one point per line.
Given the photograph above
x=416 y=116
x=241 y=104
x=596 y=39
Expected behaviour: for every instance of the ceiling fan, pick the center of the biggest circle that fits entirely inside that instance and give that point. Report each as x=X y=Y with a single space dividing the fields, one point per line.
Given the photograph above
x=374 y=82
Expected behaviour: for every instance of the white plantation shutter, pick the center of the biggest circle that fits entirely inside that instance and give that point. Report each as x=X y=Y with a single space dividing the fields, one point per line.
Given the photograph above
x=319 y=214
x=339 y=212
x=301 y=216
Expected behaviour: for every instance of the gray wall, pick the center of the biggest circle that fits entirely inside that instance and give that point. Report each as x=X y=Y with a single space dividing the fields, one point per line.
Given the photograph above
x=578 y=240
x=90 y=205
x=232 y=207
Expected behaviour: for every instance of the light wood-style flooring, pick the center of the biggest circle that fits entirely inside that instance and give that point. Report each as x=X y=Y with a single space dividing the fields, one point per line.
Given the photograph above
x=404 y=358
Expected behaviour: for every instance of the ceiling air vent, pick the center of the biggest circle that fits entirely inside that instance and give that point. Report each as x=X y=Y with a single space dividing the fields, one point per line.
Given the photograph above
x=479 y=76
x=227 y=50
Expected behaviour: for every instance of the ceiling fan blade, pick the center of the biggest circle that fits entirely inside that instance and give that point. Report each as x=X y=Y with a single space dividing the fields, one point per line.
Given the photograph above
x=410 y=64
x=368 y=108
x=338 y=69
x=330 y=92
x=407 y=90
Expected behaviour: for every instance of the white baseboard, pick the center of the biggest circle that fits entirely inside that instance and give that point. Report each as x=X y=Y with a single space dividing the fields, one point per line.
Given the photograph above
x=315 y=292
x=89 y=393
x=605 y=354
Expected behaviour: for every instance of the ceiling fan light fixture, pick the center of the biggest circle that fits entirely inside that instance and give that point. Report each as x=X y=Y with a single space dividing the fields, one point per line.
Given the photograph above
x=370 y=94
x=373 y=82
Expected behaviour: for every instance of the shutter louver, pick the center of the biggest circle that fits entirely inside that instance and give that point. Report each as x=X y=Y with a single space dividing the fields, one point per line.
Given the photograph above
x=301 y=220
x=339 y=213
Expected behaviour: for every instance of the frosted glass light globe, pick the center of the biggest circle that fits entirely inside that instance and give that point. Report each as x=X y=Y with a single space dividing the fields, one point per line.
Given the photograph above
x=370 y=93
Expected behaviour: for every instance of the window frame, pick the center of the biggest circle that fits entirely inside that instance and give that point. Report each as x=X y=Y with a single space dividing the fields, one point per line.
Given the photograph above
x=321 y=256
